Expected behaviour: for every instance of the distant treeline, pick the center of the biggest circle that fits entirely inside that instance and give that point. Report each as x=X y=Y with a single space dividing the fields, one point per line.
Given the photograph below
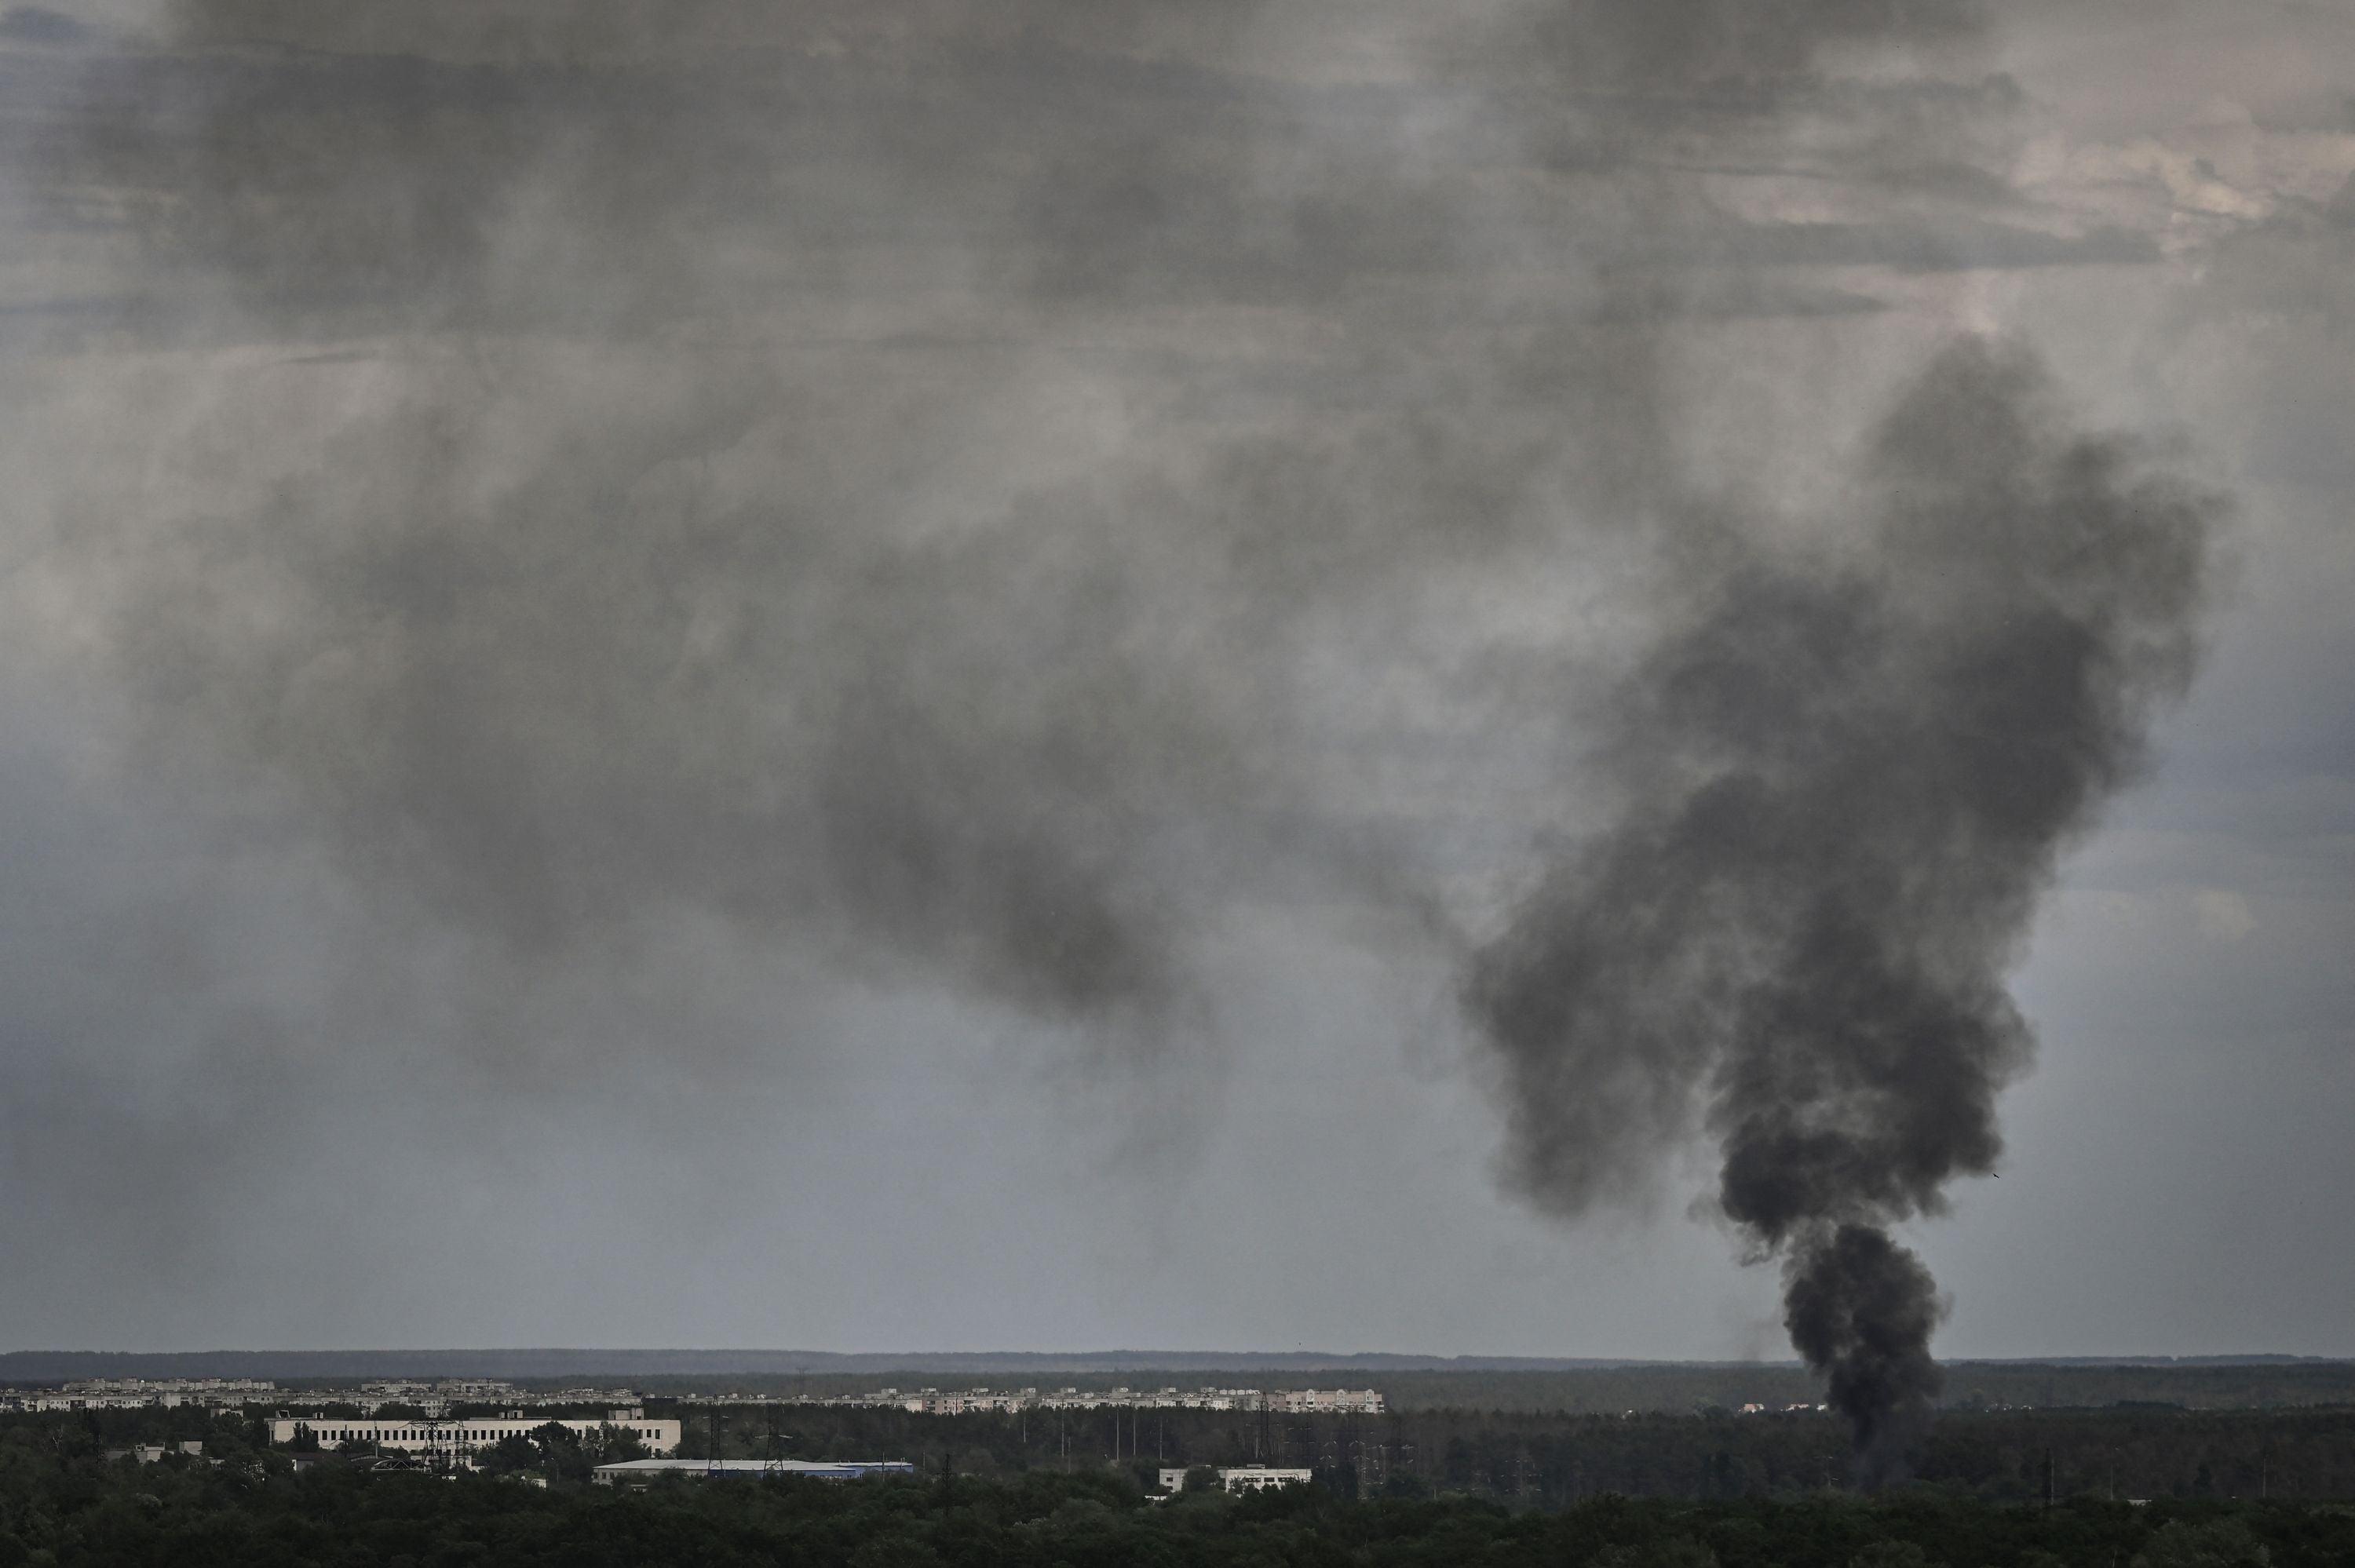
x=1601 y=1388
x=2043 y=1385
x=558 y=1361
x=1670 y=1387
x=561 y=1364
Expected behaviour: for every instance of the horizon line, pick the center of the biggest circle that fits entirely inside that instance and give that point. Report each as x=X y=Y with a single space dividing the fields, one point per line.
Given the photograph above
x=1145 y=1357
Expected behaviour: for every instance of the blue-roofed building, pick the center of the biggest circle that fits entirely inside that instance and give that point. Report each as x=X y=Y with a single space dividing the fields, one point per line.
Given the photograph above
x=641 y=1472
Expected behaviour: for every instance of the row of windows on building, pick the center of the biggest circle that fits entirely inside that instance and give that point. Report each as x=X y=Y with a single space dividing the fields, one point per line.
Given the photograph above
x=449 y=1435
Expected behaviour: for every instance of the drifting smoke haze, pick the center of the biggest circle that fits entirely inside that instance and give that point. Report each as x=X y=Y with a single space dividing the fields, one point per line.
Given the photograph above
x=621 y=533
x=897 y=479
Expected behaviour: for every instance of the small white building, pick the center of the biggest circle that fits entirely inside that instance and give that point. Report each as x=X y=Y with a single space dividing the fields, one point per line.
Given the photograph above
x=1255 y=1478
x=1243 y=1479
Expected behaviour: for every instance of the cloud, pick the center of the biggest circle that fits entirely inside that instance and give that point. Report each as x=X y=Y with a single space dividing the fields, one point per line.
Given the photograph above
x=39 y=24
x=2225 y=915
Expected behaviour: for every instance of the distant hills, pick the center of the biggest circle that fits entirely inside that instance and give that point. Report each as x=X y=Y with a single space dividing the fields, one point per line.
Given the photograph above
x=538 y=1365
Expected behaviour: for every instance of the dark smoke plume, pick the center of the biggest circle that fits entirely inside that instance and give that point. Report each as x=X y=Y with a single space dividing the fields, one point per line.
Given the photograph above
x=1862 y=1309
x=1847 y=780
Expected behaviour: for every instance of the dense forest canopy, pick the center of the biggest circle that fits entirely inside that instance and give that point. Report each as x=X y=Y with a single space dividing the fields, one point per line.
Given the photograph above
x=2146 y=1487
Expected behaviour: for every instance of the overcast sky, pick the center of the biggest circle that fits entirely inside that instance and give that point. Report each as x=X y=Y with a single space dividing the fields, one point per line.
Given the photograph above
x=706 y=673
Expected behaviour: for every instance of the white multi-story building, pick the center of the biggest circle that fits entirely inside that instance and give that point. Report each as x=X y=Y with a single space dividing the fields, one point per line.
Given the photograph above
x=139 y=1393
x=1328 y=1401
x=972 y=1402
x=456 y=1441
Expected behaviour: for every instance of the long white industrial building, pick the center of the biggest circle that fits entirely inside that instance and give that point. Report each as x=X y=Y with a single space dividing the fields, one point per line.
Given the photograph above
x=456 y=1437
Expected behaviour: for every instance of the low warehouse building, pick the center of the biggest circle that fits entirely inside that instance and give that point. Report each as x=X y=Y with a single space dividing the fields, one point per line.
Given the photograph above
x=1252 y=1478
x=1242 y=1478
x=641 y=1472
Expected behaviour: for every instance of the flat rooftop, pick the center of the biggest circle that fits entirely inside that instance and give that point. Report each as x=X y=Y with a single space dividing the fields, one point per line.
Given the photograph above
x=818 y=1469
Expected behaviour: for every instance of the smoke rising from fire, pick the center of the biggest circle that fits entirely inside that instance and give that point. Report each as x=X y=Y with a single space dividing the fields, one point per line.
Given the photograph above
x=1847 y=780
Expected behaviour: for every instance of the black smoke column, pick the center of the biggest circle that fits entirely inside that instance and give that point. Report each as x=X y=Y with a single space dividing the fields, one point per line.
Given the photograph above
x=1862 y=1308
x=1845 y=771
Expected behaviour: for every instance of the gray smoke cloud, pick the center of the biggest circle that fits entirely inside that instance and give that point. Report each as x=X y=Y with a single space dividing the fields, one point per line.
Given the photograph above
x=970 y=500
x=1847 y=781
x=676 y=537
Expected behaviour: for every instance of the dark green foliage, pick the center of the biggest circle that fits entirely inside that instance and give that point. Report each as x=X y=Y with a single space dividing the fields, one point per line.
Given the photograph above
x=1551 y=1460
x=63 y=1504
x=2210 y=1544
